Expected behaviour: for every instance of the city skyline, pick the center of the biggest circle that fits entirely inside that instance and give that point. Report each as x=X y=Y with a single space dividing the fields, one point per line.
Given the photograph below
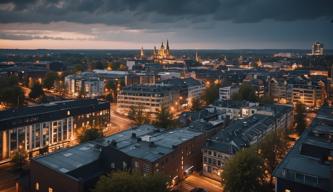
x=189 y=24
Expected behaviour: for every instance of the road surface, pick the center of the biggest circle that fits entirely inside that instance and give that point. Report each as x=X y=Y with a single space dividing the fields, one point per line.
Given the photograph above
x=206 y=183
x=118 y=122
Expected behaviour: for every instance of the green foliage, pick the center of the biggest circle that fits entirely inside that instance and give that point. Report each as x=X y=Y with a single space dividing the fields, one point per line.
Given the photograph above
x=131 y=182
x=90 y=134
x=36 y=91
x=49 y=80
x=10 y=92
x=272 y=149
x=137 y=114
x=211 y=94
x=79 y=68
x=246 y=92
x=164 y=119
x=243 y=172
x=18 y=159
x=266 y=100
x=196 y=104
x=300 y=118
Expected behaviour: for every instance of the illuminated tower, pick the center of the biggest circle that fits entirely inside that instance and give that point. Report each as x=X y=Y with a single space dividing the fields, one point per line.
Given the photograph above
x=142 y=55
x=196 y=56
x=317 y=49
x=167 y=48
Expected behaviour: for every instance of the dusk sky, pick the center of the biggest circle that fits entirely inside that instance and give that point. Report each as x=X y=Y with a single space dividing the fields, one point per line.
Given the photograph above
x=188 y=24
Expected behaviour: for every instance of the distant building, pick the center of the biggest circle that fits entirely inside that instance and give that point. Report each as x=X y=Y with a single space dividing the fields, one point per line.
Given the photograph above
x=141 y=79
x=309 y=91
x=150 y=98
x=190 y=88
x=145 y=149
x=317 y=49
x=225 y=93
x=47 y=127
x=163 y=52
x=85 y=85
x=308 y=165
x=241 y=134
x=236 y=109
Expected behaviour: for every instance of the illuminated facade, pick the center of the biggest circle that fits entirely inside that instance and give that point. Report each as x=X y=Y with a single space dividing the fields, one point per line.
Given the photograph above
x=151 y=98
x=48 y=127
x=317 y=49
x=85 y=85
x=163 y=52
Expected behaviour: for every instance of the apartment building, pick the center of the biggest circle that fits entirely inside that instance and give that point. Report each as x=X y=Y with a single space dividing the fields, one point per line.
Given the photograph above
x=150 y=98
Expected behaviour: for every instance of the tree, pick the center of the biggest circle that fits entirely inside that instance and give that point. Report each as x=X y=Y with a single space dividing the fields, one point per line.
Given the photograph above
x=300 y=118
x=18 y=159
x=272 y=149
x=12 y=96
x=10 y=93
x=36 y=91
x=164 y=119
x=246 y=92
x=196 y=104
x=90 y=134
x=211 y=94
x=243 y=172
x=137 y=114
x=78 y=68
x=49 y=80
x=122 y=181
x=266 y=100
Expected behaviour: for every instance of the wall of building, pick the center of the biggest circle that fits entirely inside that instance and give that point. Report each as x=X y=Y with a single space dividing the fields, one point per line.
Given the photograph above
x=52 y=181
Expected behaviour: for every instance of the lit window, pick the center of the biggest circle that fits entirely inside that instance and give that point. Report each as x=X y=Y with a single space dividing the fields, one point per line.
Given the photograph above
x=50 y=189
x=287 y=190
x=68 y=113
x=37 y=186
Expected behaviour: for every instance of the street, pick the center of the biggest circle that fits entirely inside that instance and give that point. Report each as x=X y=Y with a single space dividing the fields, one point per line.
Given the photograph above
x=118 y=122
x=206 y=183
x=8 y=178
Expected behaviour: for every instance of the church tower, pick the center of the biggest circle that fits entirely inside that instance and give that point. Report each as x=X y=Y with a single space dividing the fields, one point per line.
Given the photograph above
x=142 y=55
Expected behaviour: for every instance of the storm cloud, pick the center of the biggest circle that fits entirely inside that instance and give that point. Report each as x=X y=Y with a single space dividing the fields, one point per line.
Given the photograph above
x=133 y=11
x=119 y=19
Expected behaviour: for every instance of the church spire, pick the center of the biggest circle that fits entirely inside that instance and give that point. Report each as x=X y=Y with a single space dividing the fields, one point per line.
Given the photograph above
x=167 y=45
x=142 y=53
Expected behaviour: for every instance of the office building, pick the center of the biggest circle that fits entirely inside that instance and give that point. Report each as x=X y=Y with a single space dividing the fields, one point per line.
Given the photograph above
x=48 y=127
x=150 y=98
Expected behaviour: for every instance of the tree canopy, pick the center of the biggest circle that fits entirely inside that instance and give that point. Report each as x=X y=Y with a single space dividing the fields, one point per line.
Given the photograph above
x=10 y=93
x=137 y=114
x=90 y=134
x=164 y=119
x=246 y=92
x=211 y=93
x=243 y=172
x=196 y=104
x=49 y=80
x=36 y=91
x=300 y=118
x=131 y=182
x=272 y=150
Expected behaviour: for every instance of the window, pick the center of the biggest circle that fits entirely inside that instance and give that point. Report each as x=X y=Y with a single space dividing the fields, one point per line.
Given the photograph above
x=50 y=189
x=37 y=186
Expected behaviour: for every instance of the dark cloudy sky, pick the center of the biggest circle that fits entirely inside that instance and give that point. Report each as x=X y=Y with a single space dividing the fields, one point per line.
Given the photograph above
x=194 y=24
